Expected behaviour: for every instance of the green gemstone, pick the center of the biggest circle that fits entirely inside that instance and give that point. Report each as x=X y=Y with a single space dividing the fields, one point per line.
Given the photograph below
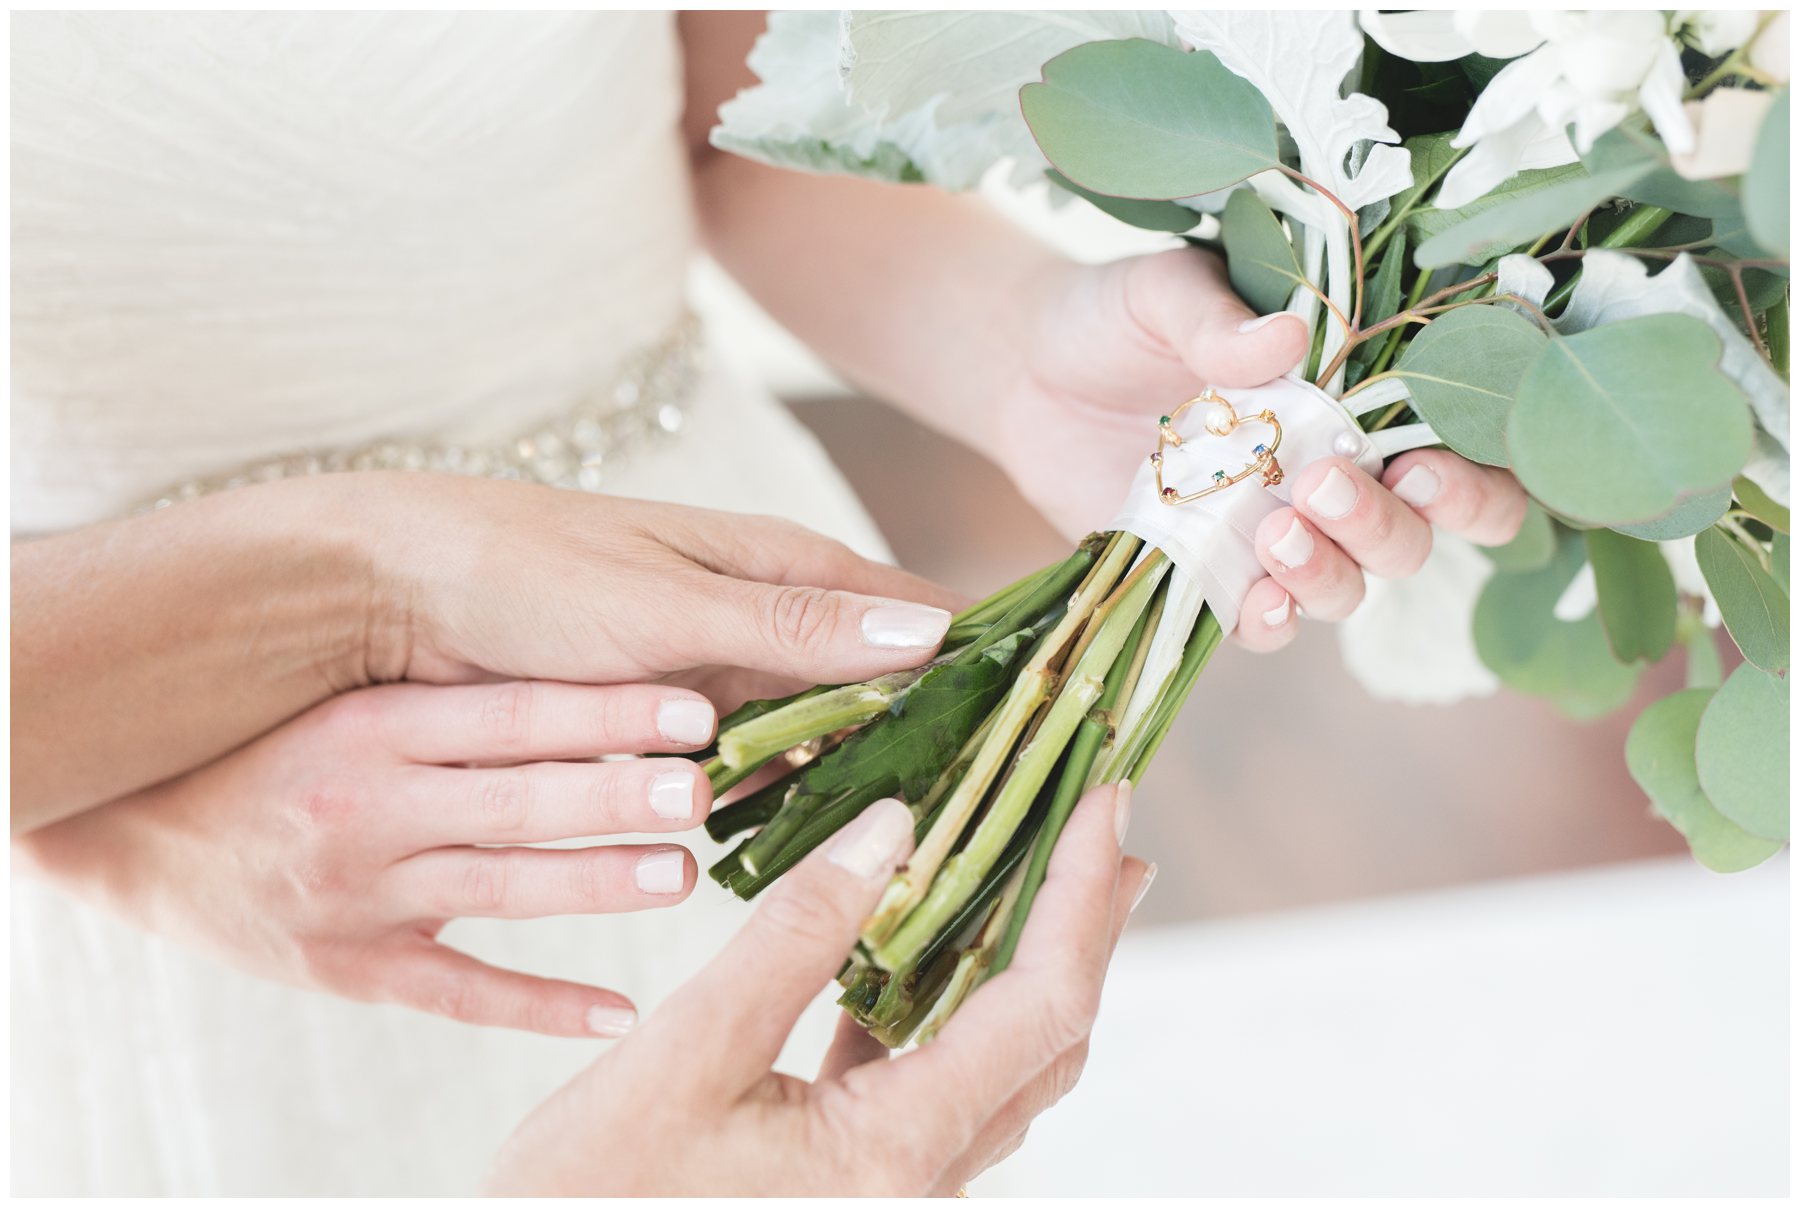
x=1163 y=420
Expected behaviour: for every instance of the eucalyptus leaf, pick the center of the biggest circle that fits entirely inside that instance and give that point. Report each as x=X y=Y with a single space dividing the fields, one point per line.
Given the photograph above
x=1429 y=221
x=1431 y=156
x=1617 y=424
x=1660 y=753
x=1522 y=217
x=1628 y=146
x=1464 y=371
x=1137 y=119
x=1741 y=751
x=1753 y=605
x=1145 y=215
x=1520 y=639
x=1258 y=253
x=1692 y=515
x=1532 y=547
x=1637 y=595
x=1704 y=667
x=1755 y=500
x=1778 y=560
x=1766 y=196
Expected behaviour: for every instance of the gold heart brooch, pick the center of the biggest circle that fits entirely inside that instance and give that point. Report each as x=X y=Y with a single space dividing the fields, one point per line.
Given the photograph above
x=1222 y=419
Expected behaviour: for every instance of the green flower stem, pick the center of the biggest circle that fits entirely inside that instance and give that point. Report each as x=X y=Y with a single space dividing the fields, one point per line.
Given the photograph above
x=1090 y=736
x=1777 y=336
x=1639 y=225
x=973 y=621
x=974 y=964
x=752 y=811
x=1047 y=594
x=963 y=873
x=1421 y=283
x=1029 y=691
x=752 y=709
x=762 y=738
x=823 y=824
x=1194 y=658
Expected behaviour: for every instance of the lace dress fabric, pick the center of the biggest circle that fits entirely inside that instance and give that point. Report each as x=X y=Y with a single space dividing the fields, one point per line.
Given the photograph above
x=238 y=238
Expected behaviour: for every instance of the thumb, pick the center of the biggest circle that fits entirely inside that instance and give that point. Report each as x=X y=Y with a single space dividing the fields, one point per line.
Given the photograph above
x=811 y=633
x=1184 y=298
x=734 y=1017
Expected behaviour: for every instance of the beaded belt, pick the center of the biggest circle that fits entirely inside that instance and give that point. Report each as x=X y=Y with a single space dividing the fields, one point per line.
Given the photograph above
x=642 y=405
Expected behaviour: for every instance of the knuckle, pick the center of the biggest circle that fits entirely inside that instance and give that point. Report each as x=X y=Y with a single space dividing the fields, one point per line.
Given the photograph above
x=507 y=715
x=455 y=998
x=1066 y=1073
x=484 y=882
x=801 y=616
x=506 y=800
x=324 y=808
x=589 y=883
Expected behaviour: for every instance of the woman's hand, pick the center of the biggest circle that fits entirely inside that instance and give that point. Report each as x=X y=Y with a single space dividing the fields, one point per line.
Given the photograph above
x=1117 y=344
x=689 y=1106
x=331 y=852
x=167 y=639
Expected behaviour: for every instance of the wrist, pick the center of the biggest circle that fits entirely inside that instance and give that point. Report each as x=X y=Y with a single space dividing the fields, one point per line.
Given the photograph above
x=362 y=587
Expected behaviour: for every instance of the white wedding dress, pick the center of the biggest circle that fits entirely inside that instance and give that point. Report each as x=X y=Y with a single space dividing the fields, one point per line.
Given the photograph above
x=240 y=239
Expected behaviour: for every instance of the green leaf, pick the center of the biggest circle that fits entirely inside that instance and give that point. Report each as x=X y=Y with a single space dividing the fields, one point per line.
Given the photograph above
x=1534 y=546
x=1631 y=146
x=1463 y=372
x=1692 y=515
x=1766 y=196
x=1432 y=156
x=1660 y=754
x=1383 y=301
x=1637 y=595
x=1741 y=752
x=1258 y=253
x=1753 y=605
x=1519 y=638
x=1145 y=215
x=1704 y=668
x=1778 y=561
x=1619 y=423
x=1133 y=118
x=1756 y=501
x=1522 y=216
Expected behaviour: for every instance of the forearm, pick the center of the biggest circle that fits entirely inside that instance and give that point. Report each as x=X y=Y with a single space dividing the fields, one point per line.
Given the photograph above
x=917 y=296
x=150 y=645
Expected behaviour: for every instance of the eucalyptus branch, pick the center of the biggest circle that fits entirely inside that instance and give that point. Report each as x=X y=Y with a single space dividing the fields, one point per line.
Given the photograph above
x=1356 y=248
x=1736 y=273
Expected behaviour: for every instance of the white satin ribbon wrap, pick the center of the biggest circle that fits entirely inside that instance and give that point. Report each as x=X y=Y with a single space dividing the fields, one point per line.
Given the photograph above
x=1213 y=539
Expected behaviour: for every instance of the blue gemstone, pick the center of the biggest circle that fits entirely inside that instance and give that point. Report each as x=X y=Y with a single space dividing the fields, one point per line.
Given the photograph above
x=1260 y=450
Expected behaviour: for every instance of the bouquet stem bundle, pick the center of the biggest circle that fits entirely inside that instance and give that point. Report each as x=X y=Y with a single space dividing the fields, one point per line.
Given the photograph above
x=991 y=745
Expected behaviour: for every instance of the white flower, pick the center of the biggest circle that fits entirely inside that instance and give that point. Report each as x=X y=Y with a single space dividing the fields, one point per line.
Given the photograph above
x=1713 y=31
x=1582 y=595
x=1726 y=124
x=1769 y=53
x=1412 y=640
x=1589 y=70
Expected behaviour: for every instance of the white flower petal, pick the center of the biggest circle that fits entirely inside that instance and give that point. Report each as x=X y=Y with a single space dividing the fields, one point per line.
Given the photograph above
x=1611 y=53
x=1424 y=36
x=1679 y=554
x=1770 y=52
x=1412 y=640
x=1660 y=96
x=1725 y=125
x=1509 y=96
x=1716 y=31
x=1551 y=149
x=1498 y=33
x=1595 y=118
x=1580 y=597
x=1493 y=159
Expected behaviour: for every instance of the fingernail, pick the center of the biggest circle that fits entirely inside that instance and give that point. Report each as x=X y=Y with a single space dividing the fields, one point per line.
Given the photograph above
x=1143 y=888
x=1122 y=810
x=905 y=626
x=1276 y=617
x=871 y=845
x=1418 y=486
x=1250 y=325
x=661 y=872
x=688 y=722
x=1294 y=546
x=1334 y=497
x=611 y=1021
x=672 y=795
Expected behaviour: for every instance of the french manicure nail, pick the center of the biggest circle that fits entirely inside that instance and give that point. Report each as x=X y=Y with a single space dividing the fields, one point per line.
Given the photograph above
x=871 y=845
x=685 y=722
x=1418 y=486
x=1143 y=888
x=1250 y=325
x=672 y=795
x=905 y=626
x=1276 y=617
x=661 y=872
x=1122 y=810
x=611 y=1021
x=1334 y=497
x=1293 y=547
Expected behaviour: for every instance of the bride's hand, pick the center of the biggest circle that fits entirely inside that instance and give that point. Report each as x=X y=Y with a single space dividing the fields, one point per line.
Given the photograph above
x=689 y=1106
x=1114 y=345
x=331 y=852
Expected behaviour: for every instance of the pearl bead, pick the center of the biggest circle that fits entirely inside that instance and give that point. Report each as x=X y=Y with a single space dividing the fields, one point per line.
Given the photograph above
x=1347 y=444
x=1219 y=420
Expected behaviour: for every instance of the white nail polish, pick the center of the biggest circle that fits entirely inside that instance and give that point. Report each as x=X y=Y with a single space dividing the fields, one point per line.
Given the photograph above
x=1294 y=546
x=1122 y=810
x=1334 y=497
x=685 y=722
x=905 y=626
x=672 y=795
x=1418 y=486
x=1276 y=617
x=661 y=872
x=1143 y=888
x=872 y=844
x=610 y=1021
x=1250 y=325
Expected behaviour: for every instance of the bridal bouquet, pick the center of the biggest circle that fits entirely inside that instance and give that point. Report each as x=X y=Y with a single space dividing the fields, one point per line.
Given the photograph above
x=1555 y=242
